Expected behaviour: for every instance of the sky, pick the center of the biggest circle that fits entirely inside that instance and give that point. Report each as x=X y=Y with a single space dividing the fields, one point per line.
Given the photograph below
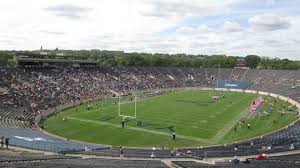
x=232 y=27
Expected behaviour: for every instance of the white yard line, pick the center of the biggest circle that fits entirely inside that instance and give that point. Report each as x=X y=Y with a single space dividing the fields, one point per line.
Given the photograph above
x=141 y=130
x=228 y=127
x=220 y=134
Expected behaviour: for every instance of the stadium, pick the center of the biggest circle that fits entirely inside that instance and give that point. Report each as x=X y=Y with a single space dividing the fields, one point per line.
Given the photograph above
x=154 y=116
x=149 y=84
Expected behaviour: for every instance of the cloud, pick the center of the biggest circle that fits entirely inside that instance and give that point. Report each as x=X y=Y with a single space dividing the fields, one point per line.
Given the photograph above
x=193 y=30
x=269 y=22
x=228 y=27
x=186 y=29
x=182 y=8
x=52 y=32
x=168 y=26
x=232 y=27
x=8 y=42
x=69 y=11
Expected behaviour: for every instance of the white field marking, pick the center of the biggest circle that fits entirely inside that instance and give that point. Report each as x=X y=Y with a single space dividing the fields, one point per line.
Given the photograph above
x=142 y=130
x=228 y=127
x=175 y=122
x=221 y=133
x=127 y=102
x=212 y=116
x=183 y=123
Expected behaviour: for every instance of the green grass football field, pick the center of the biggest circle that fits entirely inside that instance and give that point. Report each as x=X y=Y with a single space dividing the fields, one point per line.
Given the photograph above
x=197 y=119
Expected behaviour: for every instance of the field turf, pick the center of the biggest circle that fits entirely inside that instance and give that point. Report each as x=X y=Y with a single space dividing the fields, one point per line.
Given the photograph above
x=193 y=115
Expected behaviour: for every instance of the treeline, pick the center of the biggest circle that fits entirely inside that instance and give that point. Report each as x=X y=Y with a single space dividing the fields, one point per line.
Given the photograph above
x=120 y=58
x=162 y=60
x=267 y=63
x=6 y=58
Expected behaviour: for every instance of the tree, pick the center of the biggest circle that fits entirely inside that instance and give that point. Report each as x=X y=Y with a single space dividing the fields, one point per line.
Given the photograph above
x=252 y=60
x=5 y=57
x=120 y=58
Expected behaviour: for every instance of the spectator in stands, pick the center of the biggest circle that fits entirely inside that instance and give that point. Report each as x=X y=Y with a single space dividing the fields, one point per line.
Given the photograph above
x=292 y=147
x=86 y=149
x=236 y=160
x=252 y=144
x=172 y=153
x=236 y=147
x=177 y=153
x=152 y=155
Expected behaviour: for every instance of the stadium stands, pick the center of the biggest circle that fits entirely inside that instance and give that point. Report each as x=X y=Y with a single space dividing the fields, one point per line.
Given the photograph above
x=91 y=163
x=17 y=159
x=289 y=161
x=30 y=92
x=251 y=164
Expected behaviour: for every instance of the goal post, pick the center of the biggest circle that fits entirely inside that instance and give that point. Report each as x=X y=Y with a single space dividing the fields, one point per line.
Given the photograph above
x=127 y=113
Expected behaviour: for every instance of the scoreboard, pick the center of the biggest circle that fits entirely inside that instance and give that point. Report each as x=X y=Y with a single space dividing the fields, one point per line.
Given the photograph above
x=240 y=62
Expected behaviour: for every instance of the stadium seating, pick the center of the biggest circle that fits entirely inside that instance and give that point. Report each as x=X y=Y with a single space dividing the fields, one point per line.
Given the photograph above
x=16 y=159
x=280 y=141
x=288 y=161
x=31 y=92
x=51 y=161
x=91 y=163
x=251 y=164
x=20 y=159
